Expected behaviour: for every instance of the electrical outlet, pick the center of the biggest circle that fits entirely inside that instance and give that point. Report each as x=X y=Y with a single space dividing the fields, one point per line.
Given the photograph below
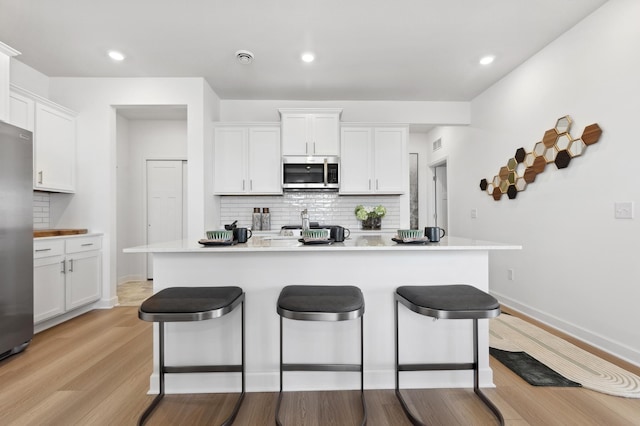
x=624 y=210
x=474 y=213
x=510 y=274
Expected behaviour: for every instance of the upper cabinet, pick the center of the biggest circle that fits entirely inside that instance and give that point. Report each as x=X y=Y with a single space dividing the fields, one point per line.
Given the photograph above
x=247 y=159
x=6 y=53
x=374 y=159
x=54 y=131
x=310 y=131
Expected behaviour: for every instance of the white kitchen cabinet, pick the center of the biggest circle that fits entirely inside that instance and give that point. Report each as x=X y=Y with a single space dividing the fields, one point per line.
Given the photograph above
x=83 y=257
x=22 y=111
x=310 y=132
x=48 y=279
x=374 y=160
x=67 y=275
x=54 y=138
x=54 y=162
x=247 y=159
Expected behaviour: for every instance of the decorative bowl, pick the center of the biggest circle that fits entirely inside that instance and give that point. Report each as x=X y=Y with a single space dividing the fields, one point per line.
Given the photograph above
x=220 y=235
x=316 y=234
x=410 y=233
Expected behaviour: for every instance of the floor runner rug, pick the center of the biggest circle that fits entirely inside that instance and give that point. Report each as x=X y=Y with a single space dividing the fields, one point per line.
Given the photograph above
x=513 y=334
x=530 y=369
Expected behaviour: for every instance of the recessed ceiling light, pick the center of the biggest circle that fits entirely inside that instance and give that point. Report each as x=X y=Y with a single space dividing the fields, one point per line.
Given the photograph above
x=244 y=57
x=116 y=56
x=308 y=57
x=486 y=60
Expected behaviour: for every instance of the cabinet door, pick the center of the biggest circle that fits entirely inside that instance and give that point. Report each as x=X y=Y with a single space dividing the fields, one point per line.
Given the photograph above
x=54 y=150
x=264 y=162
x=389 y=160
x=324 y=134
x=355 y=161
x=229 y=147
x=21 y=111
x=84 y=276
x=48 y=287
x=295 y=134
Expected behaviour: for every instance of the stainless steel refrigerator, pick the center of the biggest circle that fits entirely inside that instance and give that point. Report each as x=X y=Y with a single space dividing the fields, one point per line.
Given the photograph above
x=16 y=239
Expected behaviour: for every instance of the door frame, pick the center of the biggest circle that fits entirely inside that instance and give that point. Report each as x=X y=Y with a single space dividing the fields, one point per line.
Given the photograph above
x=431 y=218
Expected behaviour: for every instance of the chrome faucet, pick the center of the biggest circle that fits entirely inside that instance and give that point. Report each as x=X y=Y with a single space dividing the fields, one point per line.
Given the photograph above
x=305 y=219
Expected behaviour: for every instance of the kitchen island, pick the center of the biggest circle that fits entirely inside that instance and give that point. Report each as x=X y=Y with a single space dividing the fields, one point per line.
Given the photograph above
x=371 y=261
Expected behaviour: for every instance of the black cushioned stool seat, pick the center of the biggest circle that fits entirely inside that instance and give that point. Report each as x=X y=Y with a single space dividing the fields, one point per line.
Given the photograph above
x=458 y=301
x=321 y=303
x=179 y=304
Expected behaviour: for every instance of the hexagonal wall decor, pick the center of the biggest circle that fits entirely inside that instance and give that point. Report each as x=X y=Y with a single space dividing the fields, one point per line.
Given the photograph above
x=562 y=159
x=557 y=146
x=549 y=138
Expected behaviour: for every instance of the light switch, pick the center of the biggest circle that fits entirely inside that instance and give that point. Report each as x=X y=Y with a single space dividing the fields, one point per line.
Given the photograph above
x=624 y=210
x=474 y=213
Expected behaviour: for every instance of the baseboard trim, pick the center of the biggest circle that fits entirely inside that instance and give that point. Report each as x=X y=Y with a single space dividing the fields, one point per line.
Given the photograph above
x=529 y=315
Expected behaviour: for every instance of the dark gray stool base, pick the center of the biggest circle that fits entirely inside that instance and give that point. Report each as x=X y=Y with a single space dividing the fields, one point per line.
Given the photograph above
x=322 y=303
x=181 y=304
x=450 y=302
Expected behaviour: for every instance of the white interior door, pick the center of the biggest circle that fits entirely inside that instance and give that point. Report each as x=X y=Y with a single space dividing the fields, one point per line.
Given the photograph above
x=165 y=206
x=441 y=215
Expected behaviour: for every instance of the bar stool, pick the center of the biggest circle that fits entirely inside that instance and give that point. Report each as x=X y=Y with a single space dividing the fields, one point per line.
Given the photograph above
x=448 y=302
x=322 y=303
x=180 y=304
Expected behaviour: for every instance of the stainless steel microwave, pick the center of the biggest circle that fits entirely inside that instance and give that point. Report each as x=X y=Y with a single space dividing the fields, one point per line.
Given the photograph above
x=300 y=173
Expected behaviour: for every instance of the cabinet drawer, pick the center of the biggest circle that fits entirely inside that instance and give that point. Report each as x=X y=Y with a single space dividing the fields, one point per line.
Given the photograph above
x=80 y=244
x=47 y=248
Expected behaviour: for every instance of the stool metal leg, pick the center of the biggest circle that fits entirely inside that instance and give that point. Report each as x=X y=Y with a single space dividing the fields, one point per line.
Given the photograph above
x=442 y=366
x=324 y=367
x=161 y=371
x=364 y=403
x=476 y=377
x=403 y=403
x=236 y=408
x=279 y=394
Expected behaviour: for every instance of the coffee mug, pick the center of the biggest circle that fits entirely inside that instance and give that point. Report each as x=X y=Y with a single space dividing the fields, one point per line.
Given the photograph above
x=338 y=233
x=242 y=234
x=433 y=233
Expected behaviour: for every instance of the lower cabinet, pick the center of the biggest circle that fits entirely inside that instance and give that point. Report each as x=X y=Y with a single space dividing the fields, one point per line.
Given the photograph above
x=67 y=275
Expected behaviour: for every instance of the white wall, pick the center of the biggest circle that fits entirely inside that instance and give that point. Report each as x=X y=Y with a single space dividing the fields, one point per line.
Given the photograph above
x=94 y=203
x=579 y=268
x=138 y=141
x=28 y=78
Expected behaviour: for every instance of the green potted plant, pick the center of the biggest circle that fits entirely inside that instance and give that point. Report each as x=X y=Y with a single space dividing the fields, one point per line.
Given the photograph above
x=370 y=217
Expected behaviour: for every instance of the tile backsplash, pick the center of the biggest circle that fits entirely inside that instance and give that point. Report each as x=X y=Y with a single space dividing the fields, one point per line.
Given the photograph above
x=41 y=203
x=323 y=207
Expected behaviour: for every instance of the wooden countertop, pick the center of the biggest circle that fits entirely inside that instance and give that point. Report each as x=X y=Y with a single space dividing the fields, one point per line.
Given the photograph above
x=40 y=233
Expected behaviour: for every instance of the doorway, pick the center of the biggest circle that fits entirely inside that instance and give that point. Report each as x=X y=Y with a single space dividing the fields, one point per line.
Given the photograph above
x=166 y=202
x=440 y=199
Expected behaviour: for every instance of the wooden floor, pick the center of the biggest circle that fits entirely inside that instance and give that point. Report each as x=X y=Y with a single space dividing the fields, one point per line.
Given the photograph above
x=94 y=370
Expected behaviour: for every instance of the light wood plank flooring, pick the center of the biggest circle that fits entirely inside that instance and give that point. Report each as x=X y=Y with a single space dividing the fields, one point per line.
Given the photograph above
x=94 y=370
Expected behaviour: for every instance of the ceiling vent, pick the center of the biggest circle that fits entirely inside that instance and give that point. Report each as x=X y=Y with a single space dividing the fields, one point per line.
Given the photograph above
x=244 y=57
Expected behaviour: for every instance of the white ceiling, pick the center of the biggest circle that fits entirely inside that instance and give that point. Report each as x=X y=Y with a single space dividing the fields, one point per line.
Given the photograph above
x=365 y=49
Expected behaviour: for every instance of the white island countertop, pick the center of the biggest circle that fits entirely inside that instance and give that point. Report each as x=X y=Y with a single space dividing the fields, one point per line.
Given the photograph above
x=358 y=241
